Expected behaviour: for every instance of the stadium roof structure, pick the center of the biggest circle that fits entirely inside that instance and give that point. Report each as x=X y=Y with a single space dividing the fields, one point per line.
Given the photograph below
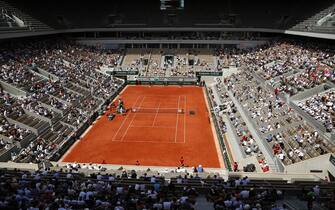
x=166 y=15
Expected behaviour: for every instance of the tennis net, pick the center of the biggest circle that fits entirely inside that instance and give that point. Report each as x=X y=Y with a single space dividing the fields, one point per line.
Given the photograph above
x=157 y=110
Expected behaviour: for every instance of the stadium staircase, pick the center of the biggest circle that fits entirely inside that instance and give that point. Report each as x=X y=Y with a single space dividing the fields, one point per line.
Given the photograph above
x=7 y=25
x=30 y=24
x=310 y=24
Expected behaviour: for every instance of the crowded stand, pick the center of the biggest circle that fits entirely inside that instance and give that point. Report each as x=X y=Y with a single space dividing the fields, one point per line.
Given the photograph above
x=182 y=67
x=12 y=132
x=290 y=138
x=241 y=130
x=154 y=65
x=290 y=67
x=99 y=191
x=320 y=107
x=104 y=107
x=178 y=63
x=72 y=78
x=133 y=62
x=68 y=189
x=279 y=61
x=57 y=82
x=307 y=79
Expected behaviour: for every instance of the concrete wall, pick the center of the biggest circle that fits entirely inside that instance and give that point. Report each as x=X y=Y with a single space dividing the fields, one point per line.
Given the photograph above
x=12 y=89
x=23 y=126
x=310 y=92
x=18 y=21
x=47 y=74
x=47 y=106
x=33 y=114
x=290 y=177
x=293 y=102
x=318 y=163
x=115 y=42
x=23 y=166
x=234 y=144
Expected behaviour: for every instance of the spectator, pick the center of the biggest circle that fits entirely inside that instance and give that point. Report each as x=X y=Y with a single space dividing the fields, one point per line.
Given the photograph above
x=235 y=167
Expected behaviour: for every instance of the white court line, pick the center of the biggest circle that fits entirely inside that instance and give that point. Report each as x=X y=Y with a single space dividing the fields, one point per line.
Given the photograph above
x=132 y=120
x=175 y=136
x=124 y=120
x=165 y=96
x=158 y=142
x=155 y=108
x=185 y=118
x=153 y=123
x=144 y=126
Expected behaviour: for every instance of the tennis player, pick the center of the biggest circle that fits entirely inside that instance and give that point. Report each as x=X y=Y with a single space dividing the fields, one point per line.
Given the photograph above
x=120 y=106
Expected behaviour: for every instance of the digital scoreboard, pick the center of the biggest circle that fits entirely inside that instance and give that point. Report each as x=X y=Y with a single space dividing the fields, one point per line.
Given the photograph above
x=172 y=4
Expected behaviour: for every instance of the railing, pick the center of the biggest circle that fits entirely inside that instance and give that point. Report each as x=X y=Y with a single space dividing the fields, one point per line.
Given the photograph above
x=220 y=135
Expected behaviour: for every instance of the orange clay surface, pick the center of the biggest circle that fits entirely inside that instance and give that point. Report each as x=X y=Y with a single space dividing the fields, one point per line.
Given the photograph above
x=154 y=139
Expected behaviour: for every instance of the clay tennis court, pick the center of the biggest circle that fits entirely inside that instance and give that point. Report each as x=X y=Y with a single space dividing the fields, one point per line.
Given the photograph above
x=157 y=130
